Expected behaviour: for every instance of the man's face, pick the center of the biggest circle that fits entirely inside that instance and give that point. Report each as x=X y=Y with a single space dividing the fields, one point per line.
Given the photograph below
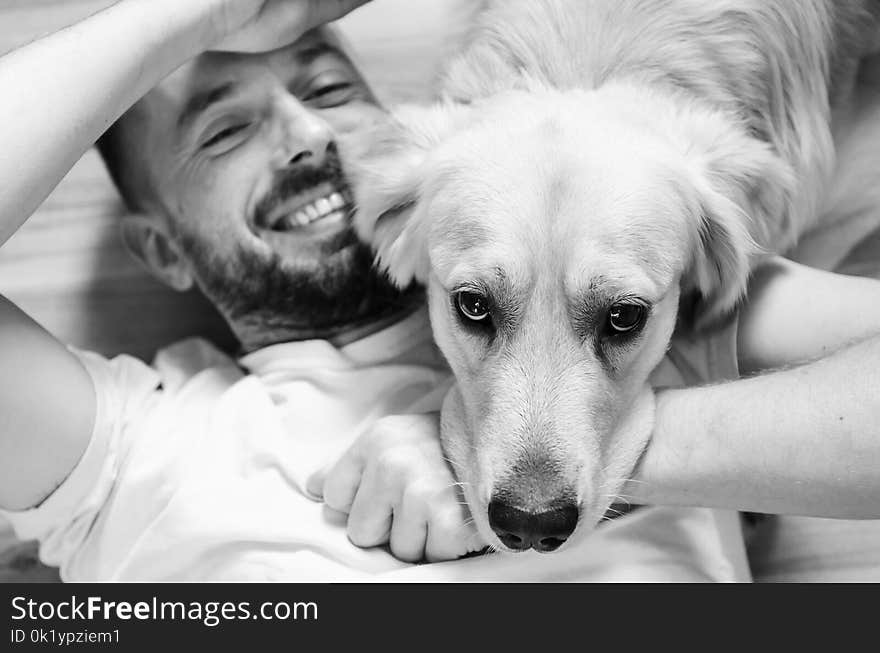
x=242 y=151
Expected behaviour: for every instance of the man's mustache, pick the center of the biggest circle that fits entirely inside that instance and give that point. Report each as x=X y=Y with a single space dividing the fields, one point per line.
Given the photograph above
x=295 y=180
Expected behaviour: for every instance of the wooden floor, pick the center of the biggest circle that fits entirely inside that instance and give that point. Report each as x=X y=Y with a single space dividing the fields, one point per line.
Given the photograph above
x=67 y=268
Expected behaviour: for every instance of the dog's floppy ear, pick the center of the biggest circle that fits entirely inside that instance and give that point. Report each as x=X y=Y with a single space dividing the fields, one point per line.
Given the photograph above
x=742 y=188
x=390 y=177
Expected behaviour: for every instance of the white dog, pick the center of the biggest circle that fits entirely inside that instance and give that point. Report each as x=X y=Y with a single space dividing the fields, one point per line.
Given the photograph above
x=599 y=172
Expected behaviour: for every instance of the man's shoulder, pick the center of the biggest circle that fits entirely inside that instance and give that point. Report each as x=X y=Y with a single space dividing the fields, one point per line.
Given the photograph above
x=172 y=367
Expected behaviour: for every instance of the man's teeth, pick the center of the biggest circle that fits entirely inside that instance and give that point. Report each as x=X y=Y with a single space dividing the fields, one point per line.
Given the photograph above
x=318 y=209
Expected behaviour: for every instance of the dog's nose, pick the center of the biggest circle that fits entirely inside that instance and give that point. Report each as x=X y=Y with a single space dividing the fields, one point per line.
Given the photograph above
x=519 y=529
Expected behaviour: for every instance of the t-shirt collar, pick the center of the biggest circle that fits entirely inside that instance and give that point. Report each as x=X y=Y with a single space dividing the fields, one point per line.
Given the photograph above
x=377 y=348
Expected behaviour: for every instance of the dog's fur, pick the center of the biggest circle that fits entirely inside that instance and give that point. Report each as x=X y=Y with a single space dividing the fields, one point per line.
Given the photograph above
x=588 y=152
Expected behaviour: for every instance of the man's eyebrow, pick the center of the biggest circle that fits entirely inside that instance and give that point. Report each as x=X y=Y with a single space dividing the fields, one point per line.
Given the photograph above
x=200 y=101
x=308 y=54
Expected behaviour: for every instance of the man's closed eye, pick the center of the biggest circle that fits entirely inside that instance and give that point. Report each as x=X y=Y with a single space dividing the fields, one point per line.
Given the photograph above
x=330 y=90
x=224 y=136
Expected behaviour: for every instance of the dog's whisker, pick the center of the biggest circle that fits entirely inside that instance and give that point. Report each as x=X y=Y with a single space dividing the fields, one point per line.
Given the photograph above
x=459 y=484
x=454 y=464
x=619 y=494
x=614 y=498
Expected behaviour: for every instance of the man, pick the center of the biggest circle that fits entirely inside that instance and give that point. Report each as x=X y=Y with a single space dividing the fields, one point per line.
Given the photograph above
x=233 y=167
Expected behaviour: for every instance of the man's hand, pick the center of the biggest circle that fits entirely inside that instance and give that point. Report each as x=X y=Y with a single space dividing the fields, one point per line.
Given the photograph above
x=397 y=488
x=263 y=25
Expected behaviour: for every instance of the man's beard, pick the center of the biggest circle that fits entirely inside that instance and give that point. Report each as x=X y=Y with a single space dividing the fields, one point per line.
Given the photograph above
x=271 y=295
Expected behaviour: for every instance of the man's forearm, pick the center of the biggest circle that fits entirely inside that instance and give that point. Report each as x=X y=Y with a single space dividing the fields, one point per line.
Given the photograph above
x=63 y=91
x=798 y=441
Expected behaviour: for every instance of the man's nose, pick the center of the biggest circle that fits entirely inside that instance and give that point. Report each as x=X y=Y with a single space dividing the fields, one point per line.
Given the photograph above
x=545 y=529
x=305 y=136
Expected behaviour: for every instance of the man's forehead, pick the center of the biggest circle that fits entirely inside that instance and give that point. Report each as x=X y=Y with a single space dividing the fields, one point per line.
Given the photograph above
x=213 y=70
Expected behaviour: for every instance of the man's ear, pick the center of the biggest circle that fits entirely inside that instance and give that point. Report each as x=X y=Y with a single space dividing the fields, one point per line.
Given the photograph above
x=390 y=176
x=147 y=238
x=743 y=196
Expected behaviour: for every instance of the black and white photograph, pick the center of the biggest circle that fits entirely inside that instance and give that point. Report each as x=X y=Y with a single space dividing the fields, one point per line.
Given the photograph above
x=436 y=291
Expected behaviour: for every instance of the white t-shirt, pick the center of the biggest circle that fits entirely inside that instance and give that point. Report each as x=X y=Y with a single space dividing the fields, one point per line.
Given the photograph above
x=197 y=469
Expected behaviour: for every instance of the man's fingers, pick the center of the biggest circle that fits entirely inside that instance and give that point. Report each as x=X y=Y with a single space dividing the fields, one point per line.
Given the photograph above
x=276 y=23
x=369 y=521
x=315 y=484
x=451 y=534
x=409 y=530
x=342 y=481
x=324 y=11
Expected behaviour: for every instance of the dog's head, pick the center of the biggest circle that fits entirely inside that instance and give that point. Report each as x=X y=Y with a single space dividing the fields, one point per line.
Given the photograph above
x=555 y=233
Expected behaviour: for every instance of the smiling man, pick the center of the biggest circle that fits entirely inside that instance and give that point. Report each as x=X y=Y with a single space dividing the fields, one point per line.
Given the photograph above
x=203 y=466
x=230 y=166
x=237 y=186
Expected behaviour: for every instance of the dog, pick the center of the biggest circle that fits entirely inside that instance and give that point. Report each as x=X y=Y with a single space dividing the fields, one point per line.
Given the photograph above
x=596 y=174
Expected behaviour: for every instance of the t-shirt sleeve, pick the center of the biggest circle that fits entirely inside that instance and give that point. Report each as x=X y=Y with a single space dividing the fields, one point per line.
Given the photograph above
x=700 y=358
x=124 y=387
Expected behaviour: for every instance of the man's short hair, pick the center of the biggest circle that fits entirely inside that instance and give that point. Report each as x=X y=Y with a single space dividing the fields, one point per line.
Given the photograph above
x=124 y=157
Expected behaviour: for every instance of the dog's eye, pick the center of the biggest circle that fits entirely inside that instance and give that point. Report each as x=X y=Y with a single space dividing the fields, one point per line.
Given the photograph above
x=472 y=306
x=625 y=318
